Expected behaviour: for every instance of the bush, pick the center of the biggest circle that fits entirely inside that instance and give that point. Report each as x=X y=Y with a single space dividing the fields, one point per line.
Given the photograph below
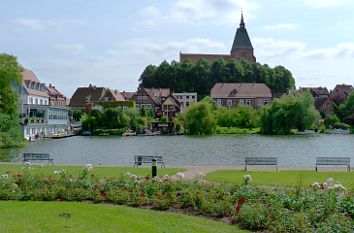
x=254 y=217
x=270 y=210
x=200 y=119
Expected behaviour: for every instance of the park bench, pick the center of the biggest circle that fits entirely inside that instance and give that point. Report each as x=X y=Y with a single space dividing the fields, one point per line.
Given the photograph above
x=333 y=161
x=142 y=159
x=37 y=156
x=267 y=161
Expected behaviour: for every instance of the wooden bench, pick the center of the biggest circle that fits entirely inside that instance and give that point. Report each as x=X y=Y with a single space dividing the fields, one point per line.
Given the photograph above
x=333 y=161
x=268 y=161
x=141 y=159
x=37 y=156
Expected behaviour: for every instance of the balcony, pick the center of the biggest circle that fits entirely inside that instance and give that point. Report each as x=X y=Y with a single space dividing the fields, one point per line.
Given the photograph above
x=33 y=120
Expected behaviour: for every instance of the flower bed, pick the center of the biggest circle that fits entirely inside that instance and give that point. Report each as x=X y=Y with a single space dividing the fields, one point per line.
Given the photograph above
x=254 y=208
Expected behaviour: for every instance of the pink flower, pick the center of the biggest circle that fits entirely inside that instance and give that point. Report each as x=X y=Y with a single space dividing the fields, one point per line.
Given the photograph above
x=89 y=167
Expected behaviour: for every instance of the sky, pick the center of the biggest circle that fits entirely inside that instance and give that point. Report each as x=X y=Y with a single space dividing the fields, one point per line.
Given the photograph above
x=72 y=43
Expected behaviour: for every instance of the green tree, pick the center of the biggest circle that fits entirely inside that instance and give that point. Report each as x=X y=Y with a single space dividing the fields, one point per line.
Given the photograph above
x=10 y=77
x=226 y=117
x=331 y=120
x=247 y=117
x=200 y=119
x=289 y=112
x=346 y=110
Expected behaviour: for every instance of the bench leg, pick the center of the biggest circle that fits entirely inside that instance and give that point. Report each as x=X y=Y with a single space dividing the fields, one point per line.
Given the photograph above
x=348 y=168
x=245 y=167
x=316 y=168
x=276 y=168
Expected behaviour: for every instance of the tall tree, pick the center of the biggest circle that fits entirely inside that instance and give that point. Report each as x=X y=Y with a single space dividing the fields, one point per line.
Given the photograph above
x=10 y=76
x=289 y=112
x=200 y=119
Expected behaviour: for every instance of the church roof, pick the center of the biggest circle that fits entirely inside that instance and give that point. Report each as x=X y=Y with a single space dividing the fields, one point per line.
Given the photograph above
x=242 y=40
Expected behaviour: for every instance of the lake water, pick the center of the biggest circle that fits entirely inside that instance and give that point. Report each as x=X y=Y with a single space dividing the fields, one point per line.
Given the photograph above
x=298 y=150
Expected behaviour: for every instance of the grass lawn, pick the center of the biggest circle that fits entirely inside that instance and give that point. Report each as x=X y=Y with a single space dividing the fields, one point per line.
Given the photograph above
x=283 y=178
x=43 y=217
x=98 y=171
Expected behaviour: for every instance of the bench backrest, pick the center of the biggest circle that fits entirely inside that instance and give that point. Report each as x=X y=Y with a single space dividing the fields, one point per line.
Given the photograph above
x=35 y=156
x=261 y=161
x=147 y=158
x=332 y=160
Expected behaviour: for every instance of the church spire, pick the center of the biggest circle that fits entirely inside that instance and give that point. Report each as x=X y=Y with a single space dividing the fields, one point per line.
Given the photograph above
x=242 y=23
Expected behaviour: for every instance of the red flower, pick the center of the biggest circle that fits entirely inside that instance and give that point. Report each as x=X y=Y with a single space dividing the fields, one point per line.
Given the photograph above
x=103 y=194
x=241 y=201
x=141 y=195
x=238 y=207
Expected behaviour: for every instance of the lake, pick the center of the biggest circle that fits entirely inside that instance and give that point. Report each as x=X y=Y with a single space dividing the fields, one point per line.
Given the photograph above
x=295 y=150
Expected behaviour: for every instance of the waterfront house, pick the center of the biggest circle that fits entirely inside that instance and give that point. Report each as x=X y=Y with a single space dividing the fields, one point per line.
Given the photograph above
x=38 y=115
x=185 y=99
x=234 y=94
x=340 y=93
x=321 y=96
x=92 y=97
x=160 y=100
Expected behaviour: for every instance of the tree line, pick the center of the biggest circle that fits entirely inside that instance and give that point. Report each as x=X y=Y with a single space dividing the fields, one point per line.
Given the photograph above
x=202 y=76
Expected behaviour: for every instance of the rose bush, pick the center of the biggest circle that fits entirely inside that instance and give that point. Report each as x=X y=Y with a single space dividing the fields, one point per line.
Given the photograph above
x=255 y=208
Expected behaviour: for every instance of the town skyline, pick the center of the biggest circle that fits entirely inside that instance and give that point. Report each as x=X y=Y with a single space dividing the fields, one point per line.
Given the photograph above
x=111 y=49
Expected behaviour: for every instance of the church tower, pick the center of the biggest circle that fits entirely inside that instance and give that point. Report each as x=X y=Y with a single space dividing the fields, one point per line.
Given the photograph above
x=242 y=48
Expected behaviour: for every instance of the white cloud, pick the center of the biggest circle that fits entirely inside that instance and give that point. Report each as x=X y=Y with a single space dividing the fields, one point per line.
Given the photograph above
x=281 y=26
x=327 y=3
x=174 y=47
x=72 y=48
x=294 y=50
x=31 y=24
x=271 y=48
x=202 y=11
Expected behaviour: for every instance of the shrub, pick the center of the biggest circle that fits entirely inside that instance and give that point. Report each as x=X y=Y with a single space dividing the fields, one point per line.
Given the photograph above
x=253 y=217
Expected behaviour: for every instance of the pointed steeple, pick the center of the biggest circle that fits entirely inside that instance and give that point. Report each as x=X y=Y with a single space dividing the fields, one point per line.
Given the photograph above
x=242 y=47
x=242 y=23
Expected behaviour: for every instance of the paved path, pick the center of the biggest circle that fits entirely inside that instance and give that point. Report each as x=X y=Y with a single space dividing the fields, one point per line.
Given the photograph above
x=192 y=170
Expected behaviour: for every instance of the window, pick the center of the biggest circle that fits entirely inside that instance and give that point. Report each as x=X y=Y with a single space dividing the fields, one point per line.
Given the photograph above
x=187 y=96
x=242 y=102
x=229 y=102
x=30 y=100
x=218 y=102
x=139 y=97
x=193 y=97
x=248 y=102
x=265 y=101
x=148 y=106
x=28 y=132
x=41 y=102
x=187 y=104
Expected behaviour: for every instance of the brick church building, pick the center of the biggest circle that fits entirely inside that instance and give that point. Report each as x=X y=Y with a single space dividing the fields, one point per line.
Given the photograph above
x=242 y=49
